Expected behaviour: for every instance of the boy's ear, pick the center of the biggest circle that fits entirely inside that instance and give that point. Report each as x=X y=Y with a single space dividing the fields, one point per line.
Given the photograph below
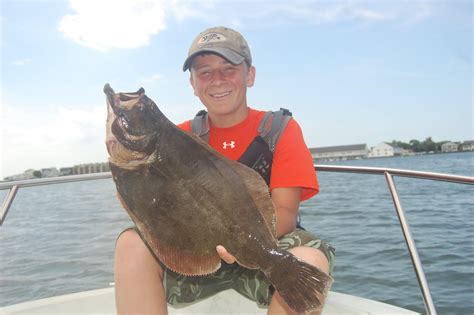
x=251 y=76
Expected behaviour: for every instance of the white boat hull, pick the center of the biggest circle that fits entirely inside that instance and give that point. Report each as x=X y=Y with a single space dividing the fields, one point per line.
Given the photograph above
x=102 y=301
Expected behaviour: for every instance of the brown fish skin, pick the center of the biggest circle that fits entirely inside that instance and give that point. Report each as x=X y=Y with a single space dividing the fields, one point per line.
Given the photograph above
x=185 y=199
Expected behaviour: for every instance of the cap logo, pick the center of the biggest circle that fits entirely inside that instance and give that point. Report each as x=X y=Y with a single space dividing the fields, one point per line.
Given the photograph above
x=211 y=37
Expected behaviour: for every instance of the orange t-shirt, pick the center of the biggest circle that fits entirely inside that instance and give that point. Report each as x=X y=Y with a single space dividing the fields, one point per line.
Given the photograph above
x=292 y=162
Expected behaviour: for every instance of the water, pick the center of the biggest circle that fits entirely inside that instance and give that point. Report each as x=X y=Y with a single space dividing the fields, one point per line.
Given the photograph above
x=59 y=239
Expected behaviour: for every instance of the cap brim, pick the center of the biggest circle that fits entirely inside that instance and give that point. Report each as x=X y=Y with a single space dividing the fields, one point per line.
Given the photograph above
x=228 y=54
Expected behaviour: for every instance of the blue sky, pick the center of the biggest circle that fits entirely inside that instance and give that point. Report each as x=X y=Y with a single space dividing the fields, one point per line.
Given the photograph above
x=350 y=71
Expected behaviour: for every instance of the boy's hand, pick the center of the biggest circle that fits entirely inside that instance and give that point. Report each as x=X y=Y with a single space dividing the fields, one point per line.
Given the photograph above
x=225 y=256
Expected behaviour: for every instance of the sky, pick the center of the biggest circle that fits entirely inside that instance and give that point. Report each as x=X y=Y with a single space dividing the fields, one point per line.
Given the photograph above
x=351 y=72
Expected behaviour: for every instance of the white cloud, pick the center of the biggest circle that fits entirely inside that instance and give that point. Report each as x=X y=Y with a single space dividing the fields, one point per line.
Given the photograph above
x=107 y=24
x=152 y=79
x=54 y=136
x=325 y=12
x=21 y=62
x=189 y=9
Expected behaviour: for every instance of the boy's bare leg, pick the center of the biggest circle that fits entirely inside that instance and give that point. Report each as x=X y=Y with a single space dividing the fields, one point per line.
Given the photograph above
x=138 y=278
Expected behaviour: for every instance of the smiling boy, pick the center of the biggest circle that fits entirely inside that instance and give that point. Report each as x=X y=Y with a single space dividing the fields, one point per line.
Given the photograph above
x=221 y=71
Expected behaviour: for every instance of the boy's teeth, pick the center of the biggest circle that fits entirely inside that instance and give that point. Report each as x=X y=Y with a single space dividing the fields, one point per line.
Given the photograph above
x=221 y=95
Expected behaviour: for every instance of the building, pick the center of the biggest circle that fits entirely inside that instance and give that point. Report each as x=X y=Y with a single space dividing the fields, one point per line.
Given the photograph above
x=64 y=171
x=450 y=147
x=341 y=152
x=28 y=174
x=90 y=168
x=467 y=145
x=49 y=172
x=385 y=149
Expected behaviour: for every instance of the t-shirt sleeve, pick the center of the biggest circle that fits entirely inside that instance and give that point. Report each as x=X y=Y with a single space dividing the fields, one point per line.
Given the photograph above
x=186 y=126
x=293 y=164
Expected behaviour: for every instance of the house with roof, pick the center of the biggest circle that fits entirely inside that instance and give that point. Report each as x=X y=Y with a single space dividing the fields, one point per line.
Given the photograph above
x=450 y=147
x=385 y=149
x=467 y=145
x=341 y=152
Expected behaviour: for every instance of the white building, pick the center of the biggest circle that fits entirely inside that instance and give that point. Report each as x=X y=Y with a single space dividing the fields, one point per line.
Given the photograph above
x=467 y=145
x=385 y=149
x=341 y=152
x=450 y=147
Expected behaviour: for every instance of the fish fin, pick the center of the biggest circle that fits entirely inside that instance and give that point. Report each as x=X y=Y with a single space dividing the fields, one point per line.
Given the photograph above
x=302 y=286
x=180 y=261
x=258 y=190
x=187 y=263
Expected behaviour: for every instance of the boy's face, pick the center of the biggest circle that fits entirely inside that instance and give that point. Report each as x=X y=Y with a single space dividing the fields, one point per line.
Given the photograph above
x=220 y=85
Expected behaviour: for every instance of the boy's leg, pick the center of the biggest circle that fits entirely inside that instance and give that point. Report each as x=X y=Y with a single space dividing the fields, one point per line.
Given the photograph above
x=138 y=277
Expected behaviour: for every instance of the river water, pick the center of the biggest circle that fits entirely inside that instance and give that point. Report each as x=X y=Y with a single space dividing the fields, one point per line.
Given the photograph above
x=59 y=239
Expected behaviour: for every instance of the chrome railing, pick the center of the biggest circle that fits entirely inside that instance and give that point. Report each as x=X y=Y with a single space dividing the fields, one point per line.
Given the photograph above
x=389 y=173
x=14 y=186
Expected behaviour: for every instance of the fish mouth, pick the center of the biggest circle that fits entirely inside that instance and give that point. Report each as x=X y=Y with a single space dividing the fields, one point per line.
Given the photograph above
x=124 y=106
x=124 y=101
x=129 y=138
x=119 y=154
x=123 y=157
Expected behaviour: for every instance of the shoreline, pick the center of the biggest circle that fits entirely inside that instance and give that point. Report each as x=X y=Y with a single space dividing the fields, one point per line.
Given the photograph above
x=384 y=157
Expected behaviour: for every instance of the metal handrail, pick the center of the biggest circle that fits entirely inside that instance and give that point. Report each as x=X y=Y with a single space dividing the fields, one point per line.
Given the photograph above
x=14 y=186
x=395 y=171
x=388 y=173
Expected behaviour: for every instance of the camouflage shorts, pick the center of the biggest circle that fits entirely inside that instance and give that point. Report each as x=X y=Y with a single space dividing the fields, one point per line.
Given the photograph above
x=183 y=290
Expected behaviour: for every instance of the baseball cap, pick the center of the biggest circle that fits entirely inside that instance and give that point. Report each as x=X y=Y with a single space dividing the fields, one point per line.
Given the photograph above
x=223 y=41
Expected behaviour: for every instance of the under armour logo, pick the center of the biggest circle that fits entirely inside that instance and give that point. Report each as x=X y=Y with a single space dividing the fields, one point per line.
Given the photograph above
x=231 y=145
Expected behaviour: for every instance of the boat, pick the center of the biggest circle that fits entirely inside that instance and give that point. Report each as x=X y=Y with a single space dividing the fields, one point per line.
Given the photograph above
x=102 y=301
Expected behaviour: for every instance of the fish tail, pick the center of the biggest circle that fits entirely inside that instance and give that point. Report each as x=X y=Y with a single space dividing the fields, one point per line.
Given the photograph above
x=302 y=286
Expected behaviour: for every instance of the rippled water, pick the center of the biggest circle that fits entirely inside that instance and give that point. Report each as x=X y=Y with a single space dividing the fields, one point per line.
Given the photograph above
x=59 y=239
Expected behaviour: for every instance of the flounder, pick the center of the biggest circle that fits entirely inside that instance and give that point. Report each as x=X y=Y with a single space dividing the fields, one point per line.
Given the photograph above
x=185 y=198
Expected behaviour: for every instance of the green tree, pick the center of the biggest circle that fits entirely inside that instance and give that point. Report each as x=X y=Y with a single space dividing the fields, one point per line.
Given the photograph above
x=429 y=145
x=415 y=145
x=37 y=174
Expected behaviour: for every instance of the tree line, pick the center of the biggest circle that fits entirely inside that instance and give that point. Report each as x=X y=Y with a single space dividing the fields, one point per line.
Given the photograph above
x=420 y=146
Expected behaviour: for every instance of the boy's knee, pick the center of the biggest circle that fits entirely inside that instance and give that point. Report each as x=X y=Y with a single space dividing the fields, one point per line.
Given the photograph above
x=312 y=256
x=128 y=239
x=129 y=244
x=132 y=253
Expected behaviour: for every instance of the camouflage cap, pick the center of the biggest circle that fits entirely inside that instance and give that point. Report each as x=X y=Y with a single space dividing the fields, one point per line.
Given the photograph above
x=223 y=41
